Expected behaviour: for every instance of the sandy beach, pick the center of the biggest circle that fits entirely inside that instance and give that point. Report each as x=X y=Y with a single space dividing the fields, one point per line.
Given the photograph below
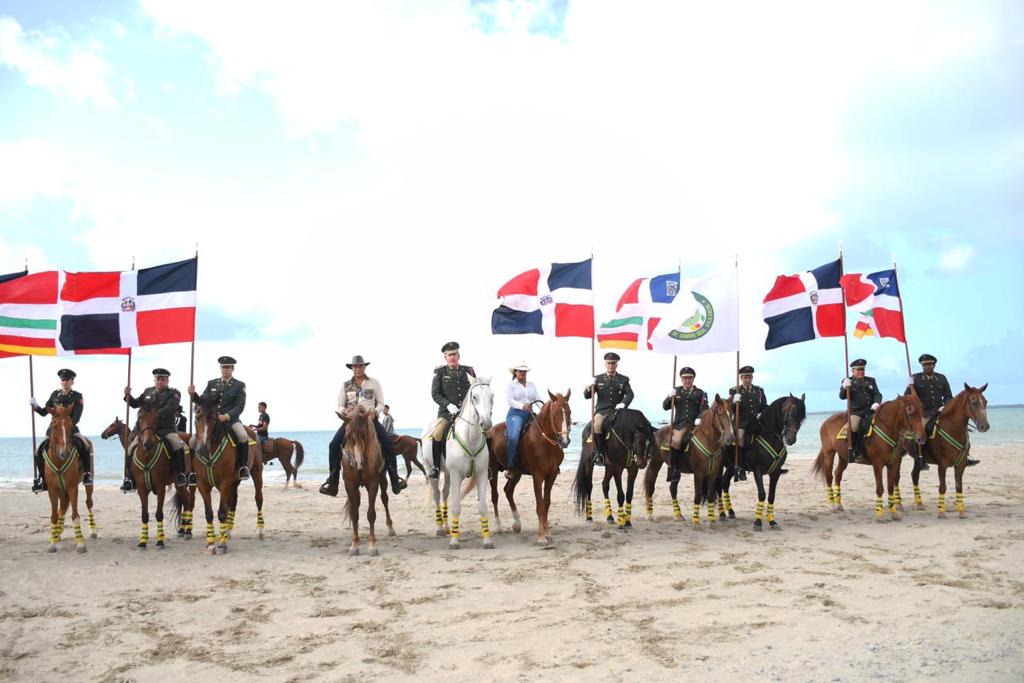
x=828 y=597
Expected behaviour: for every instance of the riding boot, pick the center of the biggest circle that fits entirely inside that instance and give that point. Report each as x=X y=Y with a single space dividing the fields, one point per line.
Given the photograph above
x=40 y=483
x=85 y=458
x=971 y=462
x=178 y=467
x=922 y=464
x=741 y=471
x=397 y=483
x=854 y=451
x=599 y=446
x=436 y=447
x=674 y=458
x=242 y=459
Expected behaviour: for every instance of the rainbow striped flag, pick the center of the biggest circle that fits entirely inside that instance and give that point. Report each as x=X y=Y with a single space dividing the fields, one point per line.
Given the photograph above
x=28 y=315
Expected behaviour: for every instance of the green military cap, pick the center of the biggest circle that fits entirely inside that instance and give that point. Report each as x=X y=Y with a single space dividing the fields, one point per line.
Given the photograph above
x=746 y=370
x=226 y=360
x=160 y=372
x=926 y=358
x=611 y=355
x=449 y=347
x=859 y=363
x=64 y=373
x=687 y=372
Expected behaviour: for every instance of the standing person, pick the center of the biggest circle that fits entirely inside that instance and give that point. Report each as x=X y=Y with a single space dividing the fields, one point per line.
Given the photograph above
x=167 y=403
x=182 y=421
x=230 y=395
x=613 y=393
x=365 y=391
x=752 y=401
x=65 y=396
x=933 y=390
x=262 y=425
x=864 y=401
x=690 y=402
x=448 y=389
x=521 y=396
x=388 y=422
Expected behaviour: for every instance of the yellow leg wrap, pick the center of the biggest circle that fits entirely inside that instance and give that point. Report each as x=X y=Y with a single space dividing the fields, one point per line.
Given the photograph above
x=759 y=510
x=144 y=534
x=696 y=514
x=620 y=517
x=455 y=526
x=879 y=510
x=160 y=532
x=771 y=512
x=712 y=517
x=60 y=527
x=607 y=508
x=942 y=502
x=650 y=506
x=721 y=506
x=892 y=505
x=210 y=538
x=899 y=496
x=92 y=522
x=590 y=510
x=839 y=496
x=728 y=501
x=54 y=536
x=676 y=511
x=831 y=496
x=629 y=512
x=259 y=520
x=485 y=529
x=438 y=519
x=231 y=520
x=444 y=512
x=223 y=535
x=79 y=539
x=917 y=496
x=960 y=502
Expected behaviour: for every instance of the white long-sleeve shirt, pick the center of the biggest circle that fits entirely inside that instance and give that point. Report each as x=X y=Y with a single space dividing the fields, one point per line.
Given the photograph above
x=369 y=395
x=517 y=394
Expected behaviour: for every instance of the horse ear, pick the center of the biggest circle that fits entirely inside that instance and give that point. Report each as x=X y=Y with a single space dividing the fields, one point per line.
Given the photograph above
x=791 y=395
x=967 y=387
x=802 y=397
x=568 y=393
x=983 y=387
x=718 y=398
x=550 y=395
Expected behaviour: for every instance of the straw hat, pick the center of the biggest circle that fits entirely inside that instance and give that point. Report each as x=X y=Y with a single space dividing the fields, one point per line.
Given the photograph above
x=522 y=366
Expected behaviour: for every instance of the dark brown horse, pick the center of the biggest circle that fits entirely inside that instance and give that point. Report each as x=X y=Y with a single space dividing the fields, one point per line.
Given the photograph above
x=658 y=458
x=151 y=470
x=256 y=473
x=184 y=499
x=704 y=456
x=63 y=471
x=540 y=455
x=948 y=443
x=630 y=442
x=362 y=464
x=280 y=448
x=894 y=425
x=408 y=447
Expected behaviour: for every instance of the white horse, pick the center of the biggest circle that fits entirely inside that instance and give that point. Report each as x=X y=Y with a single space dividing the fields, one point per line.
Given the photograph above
x=466 y=455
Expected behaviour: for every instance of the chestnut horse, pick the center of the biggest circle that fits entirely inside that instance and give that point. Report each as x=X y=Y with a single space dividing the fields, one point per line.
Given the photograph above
x=280 y=448
x=658 y=458
x=704 y=455
x=63 y=470
x=362 y=464
x=630 y=443
x=948 y=443
x=186 y=497
x=541 y=451
x=407 y=447
x=885 y=443
x=256 y=473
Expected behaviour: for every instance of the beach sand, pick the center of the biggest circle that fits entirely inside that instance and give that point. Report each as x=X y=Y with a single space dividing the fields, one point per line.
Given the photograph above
x=828 y=597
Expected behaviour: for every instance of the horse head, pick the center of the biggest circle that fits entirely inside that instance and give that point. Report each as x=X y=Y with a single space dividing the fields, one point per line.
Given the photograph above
x=113 y=429
x=206 y=422
x=721 y=419
x=792 y=413
x=61 y=429
x=977 y=406
x=360 y=436
x=147 y=423
x=561 y=416
x=912 y=415
x=481 y=400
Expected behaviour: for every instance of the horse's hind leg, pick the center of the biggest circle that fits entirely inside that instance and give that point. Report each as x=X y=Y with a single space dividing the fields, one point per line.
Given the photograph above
x=371 y=518
x=481 y=497
x=160 y=493
x=915 y=476
x=510 y=491
x=454 y=480
x=257 y=483
x=435 y=494
x=837 y=488
x=492 y=479
x=630 y=486
x=144 y=518
x=353 y=515
x=673 y=490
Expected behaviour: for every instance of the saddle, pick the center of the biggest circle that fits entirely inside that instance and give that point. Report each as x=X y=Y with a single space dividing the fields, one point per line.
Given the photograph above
x=77 y=441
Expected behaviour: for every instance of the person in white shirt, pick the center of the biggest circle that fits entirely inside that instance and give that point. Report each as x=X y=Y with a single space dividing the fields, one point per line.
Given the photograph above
x=521 y=396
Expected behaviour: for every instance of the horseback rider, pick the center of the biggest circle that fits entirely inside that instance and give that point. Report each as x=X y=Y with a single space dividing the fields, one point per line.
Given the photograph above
x=166 y=401
x=387 y=422
x=613 y=393
x=521 y=396
x=262 y=425
x=65 y=396
x=230 y=395
x=864 y=401
x=752 y=401
x=364 y=391
x=181 y=422
x=933 y=390
x=448 y=389
x=689 y=402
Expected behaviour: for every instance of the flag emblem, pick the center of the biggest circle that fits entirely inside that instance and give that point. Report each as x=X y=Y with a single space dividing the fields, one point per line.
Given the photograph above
x=698 y=324
x=546 y=300
x=128 y=304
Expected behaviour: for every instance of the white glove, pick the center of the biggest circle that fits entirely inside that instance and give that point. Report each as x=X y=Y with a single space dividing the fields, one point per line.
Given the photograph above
x=940 y=408
x=846 y=383
x=910 y=381
x=32 y=402
x=453 y=409
x=735 y=397
x=620 y=406
x=874 y=406
x=696 y=422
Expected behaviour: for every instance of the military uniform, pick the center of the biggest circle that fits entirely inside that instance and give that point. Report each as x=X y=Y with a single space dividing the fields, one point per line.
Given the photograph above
x=230 y=396
x=689 y=404
x=610 y=390
x=75 y=401
x=863 y=393
x=933 y=390
x=166 y=403
x=752 y=401
x=449 y=386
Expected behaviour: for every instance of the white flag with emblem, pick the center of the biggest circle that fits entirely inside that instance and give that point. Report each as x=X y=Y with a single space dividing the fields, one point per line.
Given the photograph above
x=702 y=318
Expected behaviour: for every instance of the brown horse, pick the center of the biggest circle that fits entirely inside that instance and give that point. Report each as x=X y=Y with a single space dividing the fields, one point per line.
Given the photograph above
x=408 y=447
x=541 y=451
x=948 y=443
x=280 y=448
x=658 y=458
x=895 y=423
x=704 y=455
x=151 y=470
x=63 y=470
x=186 y=497
x=256 y=473
x=362 y=464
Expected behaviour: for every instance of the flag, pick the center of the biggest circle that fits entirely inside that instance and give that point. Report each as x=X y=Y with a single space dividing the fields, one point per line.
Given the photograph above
x=805 y=306
x=702 y=317
x=638 y=312
x=555 y=300
x=12 y=276
x=101 y=312
x=876 y=297
x=28 y=315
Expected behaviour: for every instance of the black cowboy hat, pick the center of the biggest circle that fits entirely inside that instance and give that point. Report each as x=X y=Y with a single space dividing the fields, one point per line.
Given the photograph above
x=611 y=355
x=927 y=358
x=160 y=372
x=357 y=360
x=226 y=360
x=687 y=372
x=64 y=373
x=449 y=347
x=859 y=363
x=747 y=370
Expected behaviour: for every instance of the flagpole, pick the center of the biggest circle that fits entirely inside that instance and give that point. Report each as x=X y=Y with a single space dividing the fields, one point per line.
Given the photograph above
x=736 y=404
x=672 y=412
x=846 y=354
x=192 y=361
x=593 y=353
x=32 y=392
x=127 y=405
x=899 y=296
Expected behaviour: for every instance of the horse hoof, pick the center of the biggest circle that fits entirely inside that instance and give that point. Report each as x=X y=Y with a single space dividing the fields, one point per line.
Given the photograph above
x=942 y=515
x=774 y=526
x=896 y=517
x=222 y=549
x=722 y=517
x=391 y=531
x=210 y=550
x=919 y=506
x=454 y=545
x=963 y=515
x=93 y=534
x=373 y=551
x=296 y=485
x=259 y=534
x=881 y=520
x=440 y=532
x=517 y=527
x=141 y=546
x=354 y=550
x=80 y=549
x=758 y=526
x=628 y=524
x=621 y=528
x=52 y=549
x=160 y=545
x=188 y=535
x=488 y=544
x=649 y=518
x=610 y=520
x=840 y=508
x=732 y=514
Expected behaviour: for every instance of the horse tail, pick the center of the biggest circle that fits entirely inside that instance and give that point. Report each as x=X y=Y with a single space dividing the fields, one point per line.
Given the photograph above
x=581 y=487
x=818 y=468
x=300 y=453
x=468 y=484
x=176 y=508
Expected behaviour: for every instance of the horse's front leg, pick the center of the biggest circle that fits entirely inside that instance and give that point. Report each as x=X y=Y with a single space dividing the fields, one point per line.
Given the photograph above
x=879 y=488
x=257 y=484
x=481 y=496
x=620 y=496
x=942 y=490
x=894 y=477
x=650 y=481
x=371 y=517
x=454 y=480
x=630 y=484
x=76 y=520
x=605 y=488
x=445 y=492
x=211 y=539
x=54 y=511
x=915 y=476
x=712 y=481
x=698 y=480
x=144 y=518
x=759 y=510
x=387 y=510
x=773 y=482
x=510 y=496
x=549 y=483
x=492 y=478
x=958 y=479
x=435 y=494
x=161 y=493
x=352 y=492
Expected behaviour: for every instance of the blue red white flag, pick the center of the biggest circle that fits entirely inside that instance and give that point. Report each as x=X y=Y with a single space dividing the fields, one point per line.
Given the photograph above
x=555 y=300
x=876 y=296
x=805 y=306
x=638 y=312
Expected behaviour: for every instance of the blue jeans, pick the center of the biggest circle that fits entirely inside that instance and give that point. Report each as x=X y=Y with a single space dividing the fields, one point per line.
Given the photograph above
x=514 y=422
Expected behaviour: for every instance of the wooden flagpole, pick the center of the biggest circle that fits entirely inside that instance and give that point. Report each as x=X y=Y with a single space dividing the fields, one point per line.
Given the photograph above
x=593 y=352
x=32 y=391
x=192 y=361
x=899 y=296
x=736 y=404
x=675 y=358
x=128 y=406
x=846 y=355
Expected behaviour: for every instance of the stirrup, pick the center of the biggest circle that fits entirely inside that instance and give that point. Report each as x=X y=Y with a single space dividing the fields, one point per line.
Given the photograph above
x=181 y=479
x=243 y=473
x=510 y=474
x=971 y=462
x=87 y=479
x=191 y=478
x=922 y=465
x=673 y=475
x=397 y=486
x=127 y=485
x=434 y=473
x=741 y=474
x=39 y=485
x=598 y=459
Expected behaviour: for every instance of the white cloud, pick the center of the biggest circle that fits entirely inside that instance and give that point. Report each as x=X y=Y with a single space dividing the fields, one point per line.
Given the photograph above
x=29 y=168
x=956 y=258
x=53 y=61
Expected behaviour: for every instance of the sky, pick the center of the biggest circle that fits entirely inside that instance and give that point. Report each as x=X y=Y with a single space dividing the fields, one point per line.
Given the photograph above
x=361 y=178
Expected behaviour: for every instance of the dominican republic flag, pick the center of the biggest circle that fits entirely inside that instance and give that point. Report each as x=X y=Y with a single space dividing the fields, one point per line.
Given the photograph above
x=555 y=300
x=876 y=297
x=805 y=306
x=638 y=312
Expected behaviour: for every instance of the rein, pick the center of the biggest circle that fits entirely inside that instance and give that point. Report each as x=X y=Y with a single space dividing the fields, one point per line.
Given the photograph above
x=540 y=429
x=471 y=454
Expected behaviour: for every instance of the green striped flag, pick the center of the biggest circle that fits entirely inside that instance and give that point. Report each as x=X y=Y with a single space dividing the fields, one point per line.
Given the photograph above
x=28 y=315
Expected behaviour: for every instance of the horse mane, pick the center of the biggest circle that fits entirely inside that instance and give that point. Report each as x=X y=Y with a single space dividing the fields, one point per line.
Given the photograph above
x=360 y=438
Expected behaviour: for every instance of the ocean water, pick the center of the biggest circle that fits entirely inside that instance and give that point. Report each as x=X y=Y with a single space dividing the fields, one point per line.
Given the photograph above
x=1007 y=427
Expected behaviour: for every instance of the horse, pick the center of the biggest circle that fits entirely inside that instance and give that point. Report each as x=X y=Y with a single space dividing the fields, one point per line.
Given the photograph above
x=186 y=496
x=769 y=436
x=62 y=468
x=630 y=443
x=884 y=446
x=704 y=455
x=466 y=454
x=948 y=443
x=256 y=473
x=541 y=451
x=362 y=464
x=407 y=447
x=657 y=459
x=280 y=448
